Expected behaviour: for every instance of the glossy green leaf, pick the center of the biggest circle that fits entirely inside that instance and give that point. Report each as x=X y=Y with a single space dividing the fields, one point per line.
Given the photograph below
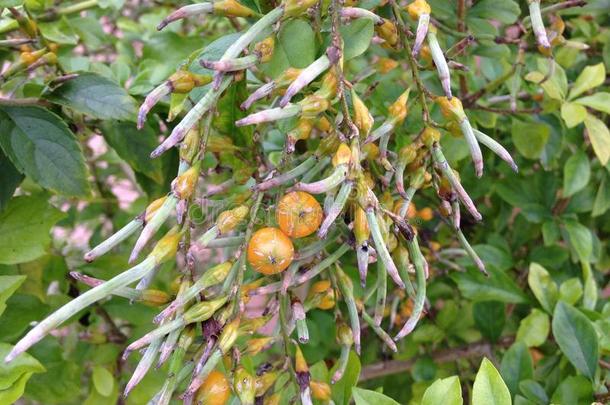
x=498 y=286
x=8 y=285
x=516 y=366
x=11 y=372
x=543 y=286
x=530 y=138
x=573 y=390
x=489 y=388
x=576 y=338
x=10 y=178
x=446 y=391
x=533 y=391
x=96 y=96
x=573 y=114
x=24 y=228
x=42 y=146
x=580 y=239
x=534 y=328
x=602 y=198
x=589 y=78
x=489 y=318
x=356 y=37
x=599 y=135
x=103 y=381
x=297 y=40
x=506 y=12
x=599 y=101
x=366 y=397
x=576 y=174
x=134 y=146
x=570 y=291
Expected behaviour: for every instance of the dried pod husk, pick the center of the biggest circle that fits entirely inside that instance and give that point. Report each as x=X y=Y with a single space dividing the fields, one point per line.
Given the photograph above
x=320 y=390
x=264 y=49
x=232 y=8
x=388 y=32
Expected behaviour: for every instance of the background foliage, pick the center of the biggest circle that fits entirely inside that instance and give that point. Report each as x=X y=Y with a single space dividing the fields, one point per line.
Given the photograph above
x=536 y=331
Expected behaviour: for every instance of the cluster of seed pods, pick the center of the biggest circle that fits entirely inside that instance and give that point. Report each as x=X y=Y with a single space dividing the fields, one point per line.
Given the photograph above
x=366 y=190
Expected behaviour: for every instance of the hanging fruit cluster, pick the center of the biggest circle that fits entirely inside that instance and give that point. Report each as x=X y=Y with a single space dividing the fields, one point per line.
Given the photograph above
x=350 y=189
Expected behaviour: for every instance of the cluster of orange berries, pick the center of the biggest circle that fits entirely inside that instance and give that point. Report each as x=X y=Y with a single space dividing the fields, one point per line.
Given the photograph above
x=270 y=249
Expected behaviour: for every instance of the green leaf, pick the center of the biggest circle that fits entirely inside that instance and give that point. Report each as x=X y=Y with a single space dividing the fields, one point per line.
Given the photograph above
x=555 y=86
x=580 y=239
x=10 y=178
x=543 y=286
x=366 y=397
x=570 y=290
x=498 y=286
x=446 y=391
x=103 y=380
x=297 y=39
x=530 y=138
x=489 y=318
x=602 y=198
x=342 y=390
x=489 y=389
x=589 y=78
x=60 y=32
x=533 y=391
x=15 y=391
x=134 y=146
x=576 y=174
x=576 y=338
x=8 y=285
x=534 y=328
x=356 y=36
x=24 y=228
x=506 y=11
x=599 y=135
x=21 y=365
x=574 y=390
x=10 y=3
x=599 y=101
x=96 y=96
x=516 y=366
x=40 y=145
x=573 y=114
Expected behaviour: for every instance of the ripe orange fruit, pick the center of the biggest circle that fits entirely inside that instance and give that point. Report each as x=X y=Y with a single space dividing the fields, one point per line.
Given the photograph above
x=270 y=251
x=215 y=390
x=298 y=214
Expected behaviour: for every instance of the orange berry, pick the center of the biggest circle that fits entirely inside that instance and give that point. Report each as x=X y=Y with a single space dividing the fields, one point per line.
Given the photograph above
x=215 y=390
x=298 y=214
x=270 y=251
x=426 y=213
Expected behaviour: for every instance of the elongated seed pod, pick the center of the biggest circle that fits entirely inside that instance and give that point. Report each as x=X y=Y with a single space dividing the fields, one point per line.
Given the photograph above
x=382 y=250
x=116 y=238
x=538 y=24
x=82 y=301
x=191 y=118
x=290 y=175
x=421 y=266
x=153 y=226
x=440 y=62
x=496 y=148
x=185 y=12
x=383 y=335
x=231 y=65
x=336 y=208
x=306 y=76
x=272 y=114
x=338 y=175
x=356 y=12
x=442 y=164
